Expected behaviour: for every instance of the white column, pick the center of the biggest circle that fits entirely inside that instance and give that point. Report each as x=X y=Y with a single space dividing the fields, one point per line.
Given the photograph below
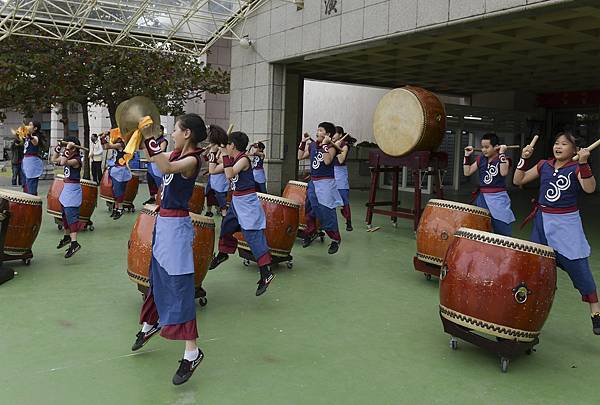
x=56 y=127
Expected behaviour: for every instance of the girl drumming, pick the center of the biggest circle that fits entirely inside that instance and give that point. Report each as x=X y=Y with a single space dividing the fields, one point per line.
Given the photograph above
x=119 y=174
x=153 y=174
x=169 y=306
x=257 y=155
x=556 y=220
x=217 y=180
x=33 y=166
x=341 y=173
x=71 y=195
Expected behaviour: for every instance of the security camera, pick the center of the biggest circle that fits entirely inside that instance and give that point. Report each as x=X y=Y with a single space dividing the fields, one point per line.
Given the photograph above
x=245 y=42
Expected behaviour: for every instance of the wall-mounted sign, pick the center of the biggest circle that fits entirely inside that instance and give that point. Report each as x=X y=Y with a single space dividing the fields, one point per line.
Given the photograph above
x=330 y=8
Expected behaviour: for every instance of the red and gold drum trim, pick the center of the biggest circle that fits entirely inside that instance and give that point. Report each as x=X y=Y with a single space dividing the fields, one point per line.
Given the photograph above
x=456 y=206
x=430 y=259
x=506 y=242
x=298 y=183
x=278 y=200
x=488 y=327
x=19 y=197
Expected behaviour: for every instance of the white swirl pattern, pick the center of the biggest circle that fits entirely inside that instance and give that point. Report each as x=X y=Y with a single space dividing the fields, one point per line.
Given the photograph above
x=67 y=172
x=167 y=179
x=562 y=183
x=234 y=181
x=317 y=160
x=490 y=173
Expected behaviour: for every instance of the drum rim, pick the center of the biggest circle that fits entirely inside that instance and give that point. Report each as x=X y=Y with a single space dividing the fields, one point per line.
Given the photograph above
x=197 y=183
x=202 y=220
x=509 y=242
x=19 y=196
x=60 y=176
x=298 y=183
x=88 y=182
x=276 y=198
x=436 y=202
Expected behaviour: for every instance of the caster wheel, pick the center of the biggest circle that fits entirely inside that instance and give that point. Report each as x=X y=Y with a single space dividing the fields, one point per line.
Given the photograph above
x=143 y=297
x=428 y=277
x=60 y=227
x=202 y=301
x=91 y=228
x=132 y=210
x=529 y=352
x=395 y=224
x=27 y=262
x=504 y=364
x=453 y=343
x=246 y=262
x=289 y=265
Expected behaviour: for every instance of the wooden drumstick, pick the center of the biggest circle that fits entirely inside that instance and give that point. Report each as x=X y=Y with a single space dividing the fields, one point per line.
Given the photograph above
x=534 y=140
x=590 y=148
x=64 y=143
x=230 y=129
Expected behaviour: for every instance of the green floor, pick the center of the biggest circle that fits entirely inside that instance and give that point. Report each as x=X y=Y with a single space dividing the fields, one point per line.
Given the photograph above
x=354 y=328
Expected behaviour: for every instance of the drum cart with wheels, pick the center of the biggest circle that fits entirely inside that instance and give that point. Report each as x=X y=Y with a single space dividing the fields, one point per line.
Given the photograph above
x=248 y=257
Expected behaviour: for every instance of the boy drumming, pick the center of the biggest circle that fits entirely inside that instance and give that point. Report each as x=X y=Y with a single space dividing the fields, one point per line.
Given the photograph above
x=493 y=167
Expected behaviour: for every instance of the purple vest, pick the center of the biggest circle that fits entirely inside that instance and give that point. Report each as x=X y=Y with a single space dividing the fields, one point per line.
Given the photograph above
x=257 y=162
x=73 y=174
x=244 y=180
x=161 y=139
x=29 y=148
x=489 y=173
x=336 y=162
x=120 y=153
x=558 y=188
x=318 y=168
x=177 y=190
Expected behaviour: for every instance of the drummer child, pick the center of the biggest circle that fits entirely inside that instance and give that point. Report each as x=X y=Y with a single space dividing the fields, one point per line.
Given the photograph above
x=341 y=173
x=169 y=306
x=217 y=180
x=257 y=154
x=322 y=196
x=245 y=213
x=493 y=167
x=153 y=174
x=71 y=194
x=119 y=174
x=556 y=220
x=32 y=166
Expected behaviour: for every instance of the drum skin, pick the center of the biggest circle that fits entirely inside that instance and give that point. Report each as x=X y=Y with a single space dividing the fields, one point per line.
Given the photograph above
x=409 y=119
x=130 y=191
x=296 y=191
x=497 y=285
x=196 y=203
x=439 y=221
x=24 y=222
x=139 y=251
x=88 y=202
x=282 y=224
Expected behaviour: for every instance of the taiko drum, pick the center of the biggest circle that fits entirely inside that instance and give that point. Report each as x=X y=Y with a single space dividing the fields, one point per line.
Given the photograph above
x=130 y=190
x=139 y=252
x=24 y=222
x=497 y=285
x=296 y=191
x=282 y=224
x=439 y=221
x=196 y=203
x=89 y=199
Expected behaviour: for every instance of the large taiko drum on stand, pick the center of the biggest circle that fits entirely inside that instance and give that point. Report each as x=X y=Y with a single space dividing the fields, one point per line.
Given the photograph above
x=497 y=286
x=23 y=224
x=131 y=190
x=296 y=191
x=440 y=220
x=139 y=252
x=282 y=225
x=196 y=202
x=409 y=119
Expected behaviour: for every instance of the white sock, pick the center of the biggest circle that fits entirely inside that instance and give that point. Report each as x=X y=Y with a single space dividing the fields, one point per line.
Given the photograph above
x=191 y=355
x=146 y=327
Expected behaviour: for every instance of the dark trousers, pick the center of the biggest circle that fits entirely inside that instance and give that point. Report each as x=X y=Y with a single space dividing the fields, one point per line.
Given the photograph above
x=97 y=171
x=16 y=174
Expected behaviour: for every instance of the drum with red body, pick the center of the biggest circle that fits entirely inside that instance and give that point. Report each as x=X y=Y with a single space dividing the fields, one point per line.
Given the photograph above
x=130 y=191
x=196 y=202
x=282 y=224
x=440 y=219
x=296 y=191
x=497 y=285
x=139 y=252
x=24 y=221
x=88 y=201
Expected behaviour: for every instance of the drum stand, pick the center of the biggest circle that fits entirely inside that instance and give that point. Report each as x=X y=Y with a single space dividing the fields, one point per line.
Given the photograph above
x=506 y=349
x=248 y=257
x=432 y=163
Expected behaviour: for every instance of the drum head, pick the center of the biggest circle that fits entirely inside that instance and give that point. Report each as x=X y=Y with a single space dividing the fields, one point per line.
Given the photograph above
x=17 y=196
x=298 y=183
x=278 y=200
x=398 y=122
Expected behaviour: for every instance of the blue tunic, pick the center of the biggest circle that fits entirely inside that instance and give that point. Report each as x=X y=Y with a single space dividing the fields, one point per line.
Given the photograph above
x=219 y=183
x=248 y=209
x=323 y=177
x=258 y=169
x=492 y=186
x=71 y=194
x=32 y=165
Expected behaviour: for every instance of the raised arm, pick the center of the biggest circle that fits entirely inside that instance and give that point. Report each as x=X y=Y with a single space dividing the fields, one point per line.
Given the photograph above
x=586 y=177
x=469 y=167
x=504 y=162
x=233 y=169
x=341 y=157
x=522 y=175
x=330 y=150
x=303 y=148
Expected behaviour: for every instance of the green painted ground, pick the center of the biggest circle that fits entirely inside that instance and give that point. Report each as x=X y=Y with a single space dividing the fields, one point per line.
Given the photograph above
x=358 y=327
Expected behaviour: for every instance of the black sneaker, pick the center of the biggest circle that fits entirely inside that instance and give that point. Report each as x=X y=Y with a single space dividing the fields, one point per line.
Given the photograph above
x=186 y=369
x=142 y=338
x=150 y=200
x=333 y=248
x=596 y=323
x=308 y=240
x=118 y=214
x=113 y=212
x=208 y=214
x=74 y=248
x=217 y=260
x=263 y=284
x=64 y=242
x=349 y=226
